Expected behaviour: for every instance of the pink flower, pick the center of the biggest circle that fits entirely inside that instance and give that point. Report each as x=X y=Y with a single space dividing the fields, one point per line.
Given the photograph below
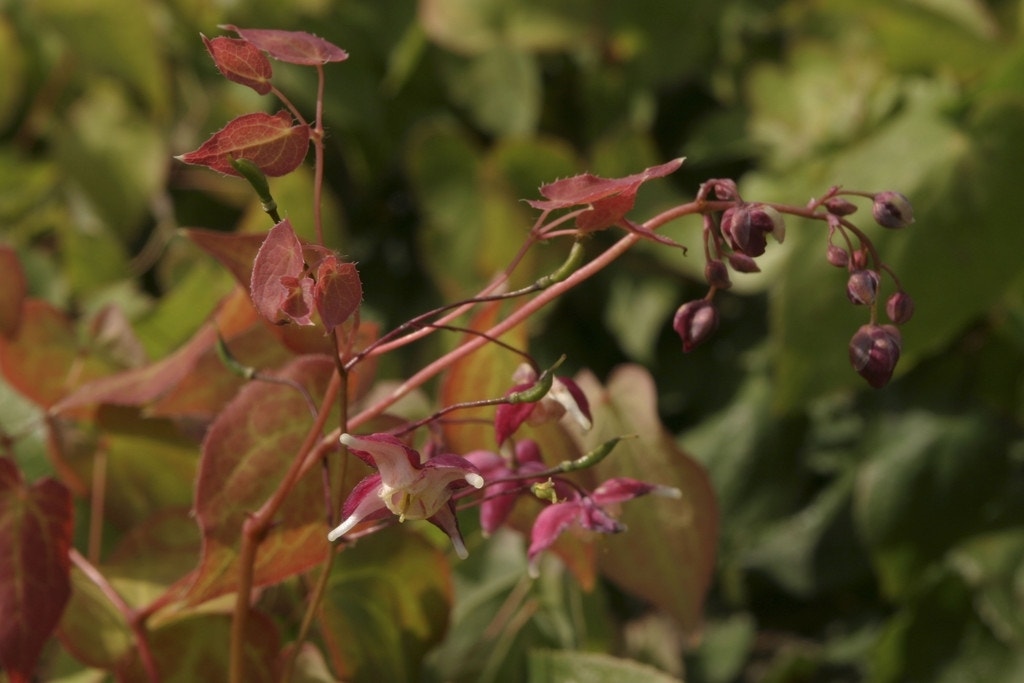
x=406 y=487
x=588 y=513
x=564 y=397
x=502 y=495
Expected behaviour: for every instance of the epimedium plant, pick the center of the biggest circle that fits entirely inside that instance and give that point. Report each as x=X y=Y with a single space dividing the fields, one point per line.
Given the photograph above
x=307 y=455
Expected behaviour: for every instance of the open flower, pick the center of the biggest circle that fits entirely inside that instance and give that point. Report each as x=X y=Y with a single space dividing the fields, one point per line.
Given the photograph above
x=564 y=397
x=406 y=487
x=588 y=513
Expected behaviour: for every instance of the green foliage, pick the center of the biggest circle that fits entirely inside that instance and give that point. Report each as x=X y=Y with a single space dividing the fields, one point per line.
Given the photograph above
x=861 y=535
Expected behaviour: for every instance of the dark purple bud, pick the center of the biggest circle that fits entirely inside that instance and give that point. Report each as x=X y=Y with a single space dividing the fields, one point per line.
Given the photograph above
x=717 y=275
x=862 y=287
x=900 y=308
x=694 y=322
x=837 y=206
x=874 y=351
x=837 y=256
x=746 y=226
x=892 y=210
x=742 y=263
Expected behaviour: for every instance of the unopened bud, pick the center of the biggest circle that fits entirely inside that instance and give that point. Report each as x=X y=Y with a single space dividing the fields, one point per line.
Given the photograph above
x=717 y=275
x=837 y=206
x=694 y=322
x=837 y=256
x=892 y=210
x=900 y=308
x=742 y=263
x=725 y=189
x=747 y=225
x=859 y=259
x=874 y=352
x=862 y=287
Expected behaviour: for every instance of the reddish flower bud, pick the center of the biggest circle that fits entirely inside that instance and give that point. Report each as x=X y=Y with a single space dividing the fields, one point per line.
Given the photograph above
x=874 y=351
x=859 y=259
x=837 y=206
x=746 y=226
x=694 y=322
x=862 y=287
x=742 y=263
x=900 y=308
x=717 y=275
x=892 y=210
x=724 y=189
x=837 y=256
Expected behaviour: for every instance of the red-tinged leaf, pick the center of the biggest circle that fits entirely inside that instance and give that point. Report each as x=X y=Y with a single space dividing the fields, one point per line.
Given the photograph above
x=667 y=555
x=276 y=274
x=387 y=604
x=142 y=386
x=294 y=47
x=43 y=361
x=13 y=288
x=245 y=455
x=606 y=212
x=338 y=291
x=588 y=188
x=240 y=62
x=235 y=251
x=271 y=142
x=35 y=534
x=196 y=648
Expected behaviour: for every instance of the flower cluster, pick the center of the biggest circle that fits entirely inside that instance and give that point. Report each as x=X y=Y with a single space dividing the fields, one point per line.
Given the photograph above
x=734 y=236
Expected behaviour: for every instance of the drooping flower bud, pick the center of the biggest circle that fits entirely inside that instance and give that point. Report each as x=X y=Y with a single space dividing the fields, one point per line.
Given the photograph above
x=725 y=189
x=746 y=226
x=874 y=352
x=742 y=263
x=694 y=322
x=838 y=206
x=859 y=259
x=837 y=256
x=900 y=308
x=862 y=287
x=717 y=275
x=892 y=210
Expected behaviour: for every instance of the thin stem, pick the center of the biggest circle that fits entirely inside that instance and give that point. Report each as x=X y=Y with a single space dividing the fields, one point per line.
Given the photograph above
x=97 y=501
x=543 y=298
x=318 y=151
x=255 y=528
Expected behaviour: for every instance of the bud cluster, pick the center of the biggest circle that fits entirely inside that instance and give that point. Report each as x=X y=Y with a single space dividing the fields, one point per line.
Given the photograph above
x=736 y=233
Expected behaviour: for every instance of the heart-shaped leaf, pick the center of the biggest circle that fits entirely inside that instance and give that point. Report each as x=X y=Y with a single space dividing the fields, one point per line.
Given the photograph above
x=241 y=62
x=280 y=290
x=338 y=291
x=35 y=534
x=271 y=141
x=294 y=47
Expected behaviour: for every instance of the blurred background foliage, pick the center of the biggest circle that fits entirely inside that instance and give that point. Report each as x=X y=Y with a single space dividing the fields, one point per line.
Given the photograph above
x=865 y=535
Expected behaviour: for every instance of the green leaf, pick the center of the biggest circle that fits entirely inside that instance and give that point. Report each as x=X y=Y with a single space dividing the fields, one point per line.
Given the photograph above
x=558 y=666
x=501 y=89
x=668 y=553
x=116 y=157
x=109 y=36
x=386 y=604
x=924 y=488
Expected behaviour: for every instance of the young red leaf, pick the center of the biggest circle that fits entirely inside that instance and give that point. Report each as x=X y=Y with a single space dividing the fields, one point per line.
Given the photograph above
x=338 y=291
x=13 y=287
x=294 y=47
x=236 y=251
x=279 y=287
x=269 y=141
x=241 y=62
x=611 y=198
x=35 y=534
